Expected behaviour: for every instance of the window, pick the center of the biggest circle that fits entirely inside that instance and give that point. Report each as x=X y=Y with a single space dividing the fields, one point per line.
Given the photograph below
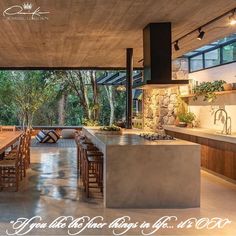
x=196 y=63
x=229 y=53
x=212 y=58
x=214 y=54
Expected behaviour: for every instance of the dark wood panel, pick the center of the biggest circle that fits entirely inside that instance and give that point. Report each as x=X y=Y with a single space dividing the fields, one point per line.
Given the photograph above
x=217 y=156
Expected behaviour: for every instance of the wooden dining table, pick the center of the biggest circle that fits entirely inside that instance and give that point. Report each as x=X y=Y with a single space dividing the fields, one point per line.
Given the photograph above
x=7 y=139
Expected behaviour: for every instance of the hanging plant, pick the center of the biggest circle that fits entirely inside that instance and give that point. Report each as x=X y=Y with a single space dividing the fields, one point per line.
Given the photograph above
x=208 y=89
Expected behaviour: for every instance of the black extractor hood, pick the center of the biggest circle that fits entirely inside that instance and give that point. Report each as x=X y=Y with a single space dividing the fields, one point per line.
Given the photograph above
x=157 y=61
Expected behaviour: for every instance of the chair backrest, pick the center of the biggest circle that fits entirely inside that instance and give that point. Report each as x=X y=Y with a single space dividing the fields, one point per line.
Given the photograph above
x=8 y=128
x=27 y=140
x=20 y=149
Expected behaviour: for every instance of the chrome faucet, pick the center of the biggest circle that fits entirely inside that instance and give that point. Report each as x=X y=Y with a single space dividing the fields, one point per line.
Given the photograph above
x=226 y=128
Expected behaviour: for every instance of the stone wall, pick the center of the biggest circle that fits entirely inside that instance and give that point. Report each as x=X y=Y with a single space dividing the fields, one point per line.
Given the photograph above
x=160 y=107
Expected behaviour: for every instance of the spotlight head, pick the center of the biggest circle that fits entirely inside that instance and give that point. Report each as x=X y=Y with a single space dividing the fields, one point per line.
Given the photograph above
x=201 y=34
x=232 y=19
x=176 y=46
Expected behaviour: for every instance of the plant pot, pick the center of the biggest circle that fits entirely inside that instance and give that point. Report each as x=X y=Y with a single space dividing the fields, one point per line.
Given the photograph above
x=106 y=132
x=182 y=124
x=227 y=87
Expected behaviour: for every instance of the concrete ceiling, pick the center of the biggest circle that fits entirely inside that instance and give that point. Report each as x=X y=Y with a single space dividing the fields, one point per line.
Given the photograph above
x=95 y=33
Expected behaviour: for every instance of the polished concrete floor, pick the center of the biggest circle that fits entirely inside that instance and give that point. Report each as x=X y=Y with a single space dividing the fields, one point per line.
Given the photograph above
x=52 y=189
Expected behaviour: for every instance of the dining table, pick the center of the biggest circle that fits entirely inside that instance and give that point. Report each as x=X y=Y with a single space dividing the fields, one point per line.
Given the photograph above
x=7 y=139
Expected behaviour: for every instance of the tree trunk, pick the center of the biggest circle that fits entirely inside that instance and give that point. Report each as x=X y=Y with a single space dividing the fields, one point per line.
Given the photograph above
x=96 y=107
x=81 y=91
x=110 y=96
x=61 y=110
x=88 y=108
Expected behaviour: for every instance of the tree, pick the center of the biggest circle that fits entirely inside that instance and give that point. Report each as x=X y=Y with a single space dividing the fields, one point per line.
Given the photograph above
x=29 y=91
x=83 y=84
x=110 y=96
x=33 y=97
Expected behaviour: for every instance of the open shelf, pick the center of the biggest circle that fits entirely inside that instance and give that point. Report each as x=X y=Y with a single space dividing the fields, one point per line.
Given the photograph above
x=217 y=93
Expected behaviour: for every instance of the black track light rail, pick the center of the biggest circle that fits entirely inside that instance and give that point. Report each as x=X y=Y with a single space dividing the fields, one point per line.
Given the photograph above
x=232 y=11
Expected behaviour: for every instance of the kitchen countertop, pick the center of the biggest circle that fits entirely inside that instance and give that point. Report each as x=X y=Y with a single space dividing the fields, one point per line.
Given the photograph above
x=204 y=133
x=131 y=137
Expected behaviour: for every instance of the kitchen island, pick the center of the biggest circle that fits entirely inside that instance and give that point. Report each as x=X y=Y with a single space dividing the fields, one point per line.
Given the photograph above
x=139 y=173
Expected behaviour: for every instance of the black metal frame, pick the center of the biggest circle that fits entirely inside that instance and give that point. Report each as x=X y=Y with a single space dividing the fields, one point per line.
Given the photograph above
x=220 y=46
x=118 y=78
x=129 y=83
x=67 y=68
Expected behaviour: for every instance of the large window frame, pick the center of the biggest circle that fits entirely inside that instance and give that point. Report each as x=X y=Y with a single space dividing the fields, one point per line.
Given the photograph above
x=220 y=46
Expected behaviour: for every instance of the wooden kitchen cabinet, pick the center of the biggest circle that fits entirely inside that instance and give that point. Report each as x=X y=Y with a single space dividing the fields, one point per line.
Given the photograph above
x=216 y=156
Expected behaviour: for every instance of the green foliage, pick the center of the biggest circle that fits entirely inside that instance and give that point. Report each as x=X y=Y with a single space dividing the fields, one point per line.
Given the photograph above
x=182 y=106
x=88 y=122
x=188 y=117
x=32 y=98
x=73 y=111
x=208 y=89
x=22 y=93
x=110 y=128
x=47 y=114
x=120 y=105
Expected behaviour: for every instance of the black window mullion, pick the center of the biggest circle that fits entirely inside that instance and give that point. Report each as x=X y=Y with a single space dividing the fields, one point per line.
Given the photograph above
x=203 y=60
x=189 y=65
x=221 y=55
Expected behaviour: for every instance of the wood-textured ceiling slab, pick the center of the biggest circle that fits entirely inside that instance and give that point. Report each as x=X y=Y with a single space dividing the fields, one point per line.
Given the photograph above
x=95 y=33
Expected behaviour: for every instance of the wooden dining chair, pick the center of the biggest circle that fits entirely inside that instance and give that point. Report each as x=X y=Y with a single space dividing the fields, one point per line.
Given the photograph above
x=10 y=169
x=27 y=143
x=25 y=160
x=8 y=128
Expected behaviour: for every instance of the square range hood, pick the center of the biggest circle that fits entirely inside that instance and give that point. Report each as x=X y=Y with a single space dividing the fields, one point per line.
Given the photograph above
x=157 y=54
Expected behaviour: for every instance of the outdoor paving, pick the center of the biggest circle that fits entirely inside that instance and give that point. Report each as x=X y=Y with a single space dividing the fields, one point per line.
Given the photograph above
x=52 y=189
x=61 y=143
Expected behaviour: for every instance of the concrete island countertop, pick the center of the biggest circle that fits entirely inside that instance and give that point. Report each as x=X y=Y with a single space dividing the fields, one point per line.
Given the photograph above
x=129 y=137
x=204 y=133
x=139 y=173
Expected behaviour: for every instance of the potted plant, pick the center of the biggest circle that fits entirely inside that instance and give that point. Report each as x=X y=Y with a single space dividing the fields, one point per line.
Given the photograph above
x=186 y=119
x=90 y=122
x=113 y=129
x=208 y=89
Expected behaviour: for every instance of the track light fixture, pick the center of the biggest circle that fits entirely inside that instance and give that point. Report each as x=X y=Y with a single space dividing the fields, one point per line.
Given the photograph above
x=176 y=46
x=232 y=18
x=201 y=34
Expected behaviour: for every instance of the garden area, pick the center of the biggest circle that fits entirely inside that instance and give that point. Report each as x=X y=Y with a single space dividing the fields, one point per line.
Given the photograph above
x=62 y=97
